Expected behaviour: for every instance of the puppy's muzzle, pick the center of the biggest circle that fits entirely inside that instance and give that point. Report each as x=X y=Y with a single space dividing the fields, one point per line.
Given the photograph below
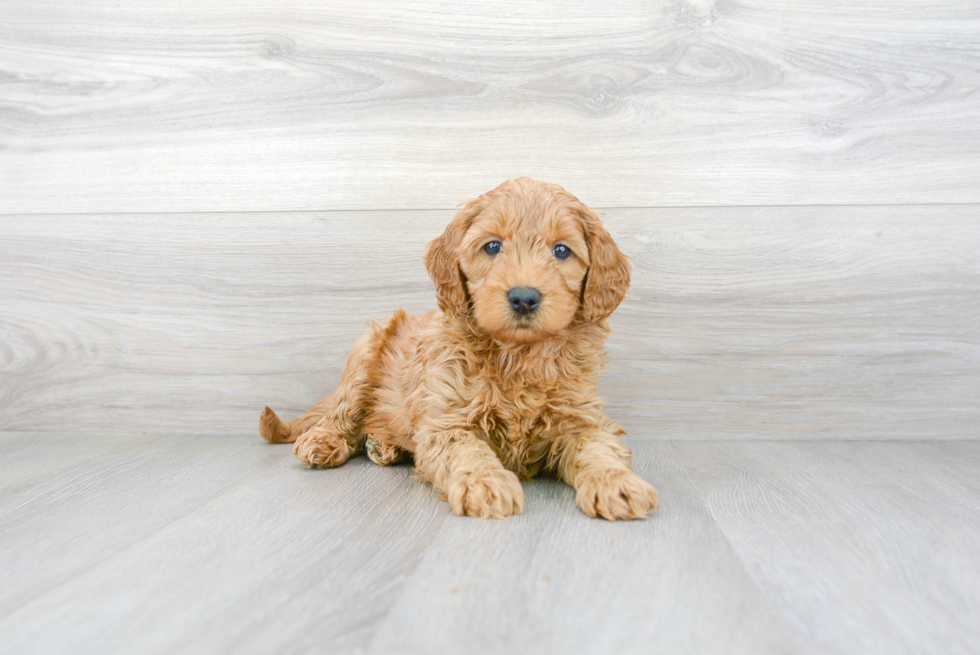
x=524 y=300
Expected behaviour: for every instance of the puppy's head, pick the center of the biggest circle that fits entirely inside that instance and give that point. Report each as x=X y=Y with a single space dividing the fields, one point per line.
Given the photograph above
x=526 y=260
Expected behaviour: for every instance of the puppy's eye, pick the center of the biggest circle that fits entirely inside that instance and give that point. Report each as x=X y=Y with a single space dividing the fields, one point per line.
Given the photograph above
x=492 y=248
x=562 y=251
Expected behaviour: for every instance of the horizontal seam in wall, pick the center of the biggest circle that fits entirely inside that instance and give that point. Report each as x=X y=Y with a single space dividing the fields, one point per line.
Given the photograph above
x=449 y=209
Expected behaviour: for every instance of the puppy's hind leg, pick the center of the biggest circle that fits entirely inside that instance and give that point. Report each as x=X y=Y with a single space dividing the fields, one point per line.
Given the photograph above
x=383 y=453
x=337 y=434
x=275 y=430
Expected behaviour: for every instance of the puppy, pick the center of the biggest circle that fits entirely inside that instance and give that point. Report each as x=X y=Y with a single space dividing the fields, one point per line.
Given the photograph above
x=501 y=385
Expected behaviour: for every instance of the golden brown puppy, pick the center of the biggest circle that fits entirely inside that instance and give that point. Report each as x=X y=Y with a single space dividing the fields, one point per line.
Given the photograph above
x=501 y=384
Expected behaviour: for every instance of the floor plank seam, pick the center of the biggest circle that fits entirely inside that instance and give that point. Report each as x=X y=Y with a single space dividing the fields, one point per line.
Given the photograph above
x=771 y=603
x=403 y=588
x=93 y=564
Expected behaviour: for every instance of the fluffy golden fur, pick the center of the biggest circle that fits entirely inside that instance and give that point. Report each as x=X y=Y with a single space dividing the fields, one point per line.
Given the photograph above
x=488 y=392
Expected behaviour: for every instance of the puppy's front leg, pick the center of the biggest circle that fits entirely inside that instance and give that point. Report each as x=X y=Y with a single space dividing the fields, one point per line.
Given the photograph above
x=597 y=464
x=466 y=472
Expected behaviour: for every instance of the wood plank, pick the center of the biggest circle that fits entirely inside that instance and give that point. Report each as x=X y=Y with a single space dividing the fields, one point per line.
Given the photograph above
x=29 y=458
x=836 y=322
x=191 y=106
x=867 y=547
x=855 y=323
x=555 y=581
x=187 y=543
x=97 y=503
x=211 y=544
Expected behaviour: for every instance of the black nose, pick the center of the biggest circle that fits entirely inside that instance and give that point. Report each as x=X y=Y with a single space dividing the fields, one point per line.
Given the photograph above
x=524 y=300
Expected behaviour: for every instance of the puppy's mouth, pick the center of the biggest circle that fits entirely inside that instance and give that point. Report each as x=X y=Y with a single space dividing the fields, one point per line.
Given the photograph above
x=524 y=322
x=522 y=329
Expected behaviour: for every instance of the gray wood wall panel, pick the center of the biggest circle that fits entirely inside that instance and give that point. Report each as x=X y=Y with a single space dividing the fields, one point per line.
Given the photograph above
x=192 y=106
x=836 y=322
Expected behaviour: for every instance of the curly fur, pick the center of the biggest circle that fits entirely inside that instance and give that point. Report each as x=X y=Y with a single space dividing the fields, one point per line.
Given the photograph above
x=478 y=394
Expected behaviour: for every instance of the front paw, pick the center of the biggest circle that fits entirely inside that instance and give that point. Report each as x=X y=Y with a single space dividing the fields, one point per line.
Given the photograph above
x=492 y=494
x=615 y=494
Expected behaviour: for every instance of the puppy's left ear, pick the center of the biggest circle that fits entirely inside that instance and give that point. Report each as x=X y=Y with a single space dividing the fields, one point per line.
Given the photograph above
x=442 y=260
x=608 y=276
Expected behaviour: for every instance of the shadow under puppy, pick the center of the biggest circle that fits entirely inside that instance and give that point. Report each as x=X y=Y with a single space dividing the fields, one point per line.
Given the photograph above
x=502 y=383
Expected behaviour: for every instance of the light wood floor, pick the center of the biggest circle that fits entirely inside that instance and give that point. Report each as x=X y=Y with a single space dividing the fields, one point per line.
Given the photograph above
x=134 y=544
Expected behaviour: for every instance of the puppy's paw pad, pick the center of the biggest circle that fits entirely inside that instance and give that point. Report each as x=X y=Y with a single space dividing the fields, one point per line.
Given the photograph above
x=321 y=449
x=615 y=495
x=493 y=494
x=382 y=453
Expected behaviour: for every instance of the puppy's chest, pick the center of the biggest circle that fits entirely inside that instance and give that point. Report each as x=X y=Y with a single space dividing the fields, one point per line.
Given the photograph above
x=519 y=413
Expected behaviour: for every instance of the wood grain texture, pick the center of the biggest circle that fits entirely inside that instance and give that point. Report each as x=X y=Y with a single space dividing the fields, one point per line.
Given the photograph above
x=555 y=581
x=216 y=106
x=857 y=322
x=198 y=544
x=184 y=543
x=868 y=548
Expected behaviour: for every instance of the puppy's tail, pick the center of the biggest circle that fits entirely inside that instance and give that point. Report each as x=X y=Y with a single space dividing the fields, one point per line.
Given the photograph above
x=273 y=430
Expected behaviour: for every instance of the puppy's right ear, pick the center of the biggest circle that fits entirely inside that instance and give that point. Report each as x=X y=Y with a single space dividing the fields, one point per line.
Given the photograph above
x=442 y=260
